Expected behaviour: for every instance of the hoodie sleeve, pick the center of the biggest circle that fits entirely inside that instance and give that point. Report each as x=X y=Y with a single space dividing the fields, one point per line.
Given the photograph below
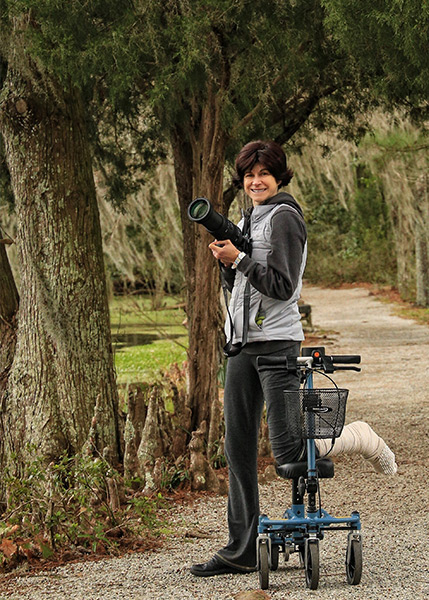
x=279 y=278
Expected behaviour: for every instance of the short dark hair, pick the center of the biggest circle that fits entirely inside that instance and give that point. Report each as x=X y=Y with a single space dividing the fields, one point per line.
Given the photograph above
x=269 y=154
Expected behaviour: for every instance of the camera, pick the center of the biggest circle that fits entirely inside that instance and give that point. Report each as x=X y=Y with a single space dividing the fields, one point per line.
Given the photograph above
x=201 y=211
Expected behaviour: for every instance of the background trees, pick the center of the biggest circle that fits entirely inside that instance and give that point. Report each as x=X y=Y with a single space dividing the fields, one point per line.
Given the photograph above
x=211 y=75
x=388 y=40
x=225 y=73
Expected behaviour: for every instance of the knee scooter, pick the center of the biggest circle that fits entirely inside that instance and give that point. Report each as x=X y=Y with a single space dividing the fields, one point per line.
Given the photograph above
x=318 y=413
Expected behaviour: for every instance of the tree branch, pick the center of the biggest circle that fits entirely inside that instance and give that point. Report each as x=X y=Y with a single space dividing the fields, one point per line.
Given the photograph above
x=301 y=108
x=247 y=118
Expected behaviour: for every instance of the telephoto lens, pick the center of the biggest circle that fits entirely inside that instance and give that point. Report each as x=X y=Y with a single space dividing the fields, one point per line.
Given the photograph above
x=202 y=212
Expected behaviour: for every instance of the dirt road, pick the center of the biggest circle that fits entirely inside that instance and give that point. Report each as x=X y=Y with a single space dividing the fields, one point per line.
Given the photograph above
x=391 y=393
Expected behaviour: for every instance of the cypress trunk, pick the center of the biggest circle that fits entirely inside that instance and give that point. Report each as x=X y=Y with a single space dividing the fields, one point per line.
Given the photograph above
x=422 y=241
x=61 y=388
x=198 y=164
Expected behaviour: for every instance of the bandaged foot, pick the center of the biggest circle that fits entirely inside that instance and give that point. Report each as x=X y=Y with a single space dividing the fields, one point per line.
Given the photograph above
x=359 y=438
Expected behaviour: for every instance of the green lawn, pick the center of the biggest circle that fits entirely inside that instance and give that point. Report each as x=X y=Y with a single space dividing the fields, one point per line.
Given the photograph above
x=146 y=341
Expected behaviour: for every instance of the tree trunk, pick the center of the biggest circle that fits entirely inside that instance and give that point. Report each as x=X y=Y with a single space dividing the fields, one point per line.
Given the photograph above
x=198 y=164
x=422 y=241
x=422 y=266
x=404 y=236
x=61 y=386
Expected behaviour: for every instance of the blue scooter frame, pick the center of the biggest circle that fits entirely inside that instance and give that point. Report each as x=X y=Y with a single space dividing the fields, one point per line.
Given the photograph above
x=303 y=526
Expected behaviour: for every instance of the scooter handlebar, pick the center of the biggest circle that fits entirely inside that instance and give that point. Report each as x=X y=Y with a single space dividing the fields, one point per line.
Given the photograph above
x=327 y=363
x=346 y=359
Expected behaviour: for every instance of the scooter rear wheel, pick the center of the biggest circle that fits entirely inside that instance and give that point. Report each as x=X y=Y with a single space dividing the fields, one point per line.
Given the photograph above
x=311 y=564
x=264 y=568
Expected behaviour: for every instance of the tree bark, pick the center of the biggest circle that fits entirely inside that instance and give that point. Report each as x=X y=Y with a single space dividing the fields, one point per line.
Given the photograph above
x=422 y=266
x=62 y=383
x=422 y=241
x=198 y=163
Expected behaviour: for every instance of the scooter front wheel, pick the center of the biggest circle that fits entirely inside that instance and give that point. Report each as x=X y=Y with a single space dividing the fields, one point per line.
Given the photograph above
x=354 y=559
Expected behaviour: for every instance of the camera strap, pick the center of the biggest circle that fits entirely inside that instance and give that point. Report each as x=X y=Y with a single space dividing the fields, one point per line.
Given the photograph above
x=231 y=349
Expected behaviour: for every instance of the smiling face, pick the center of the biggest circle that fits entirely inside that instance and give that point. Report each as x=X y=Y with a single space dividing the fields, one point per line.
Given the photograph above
x=259 y=184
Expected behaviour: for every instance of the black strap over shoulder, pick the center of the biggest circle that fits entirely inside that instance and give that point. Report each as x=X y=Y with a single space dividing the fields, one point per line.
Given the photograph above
x=231 y=349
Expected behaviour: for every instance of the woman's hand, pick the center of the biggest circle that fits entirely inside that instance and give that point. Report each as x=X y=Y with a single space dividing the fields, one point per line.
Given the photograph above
x=225 y=251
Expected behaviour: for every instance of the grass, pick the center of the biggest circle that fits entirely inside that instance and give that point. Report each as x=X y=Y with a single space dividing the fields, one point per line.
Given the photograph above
x=146 y=339
x=400 y=307
x=417 y=313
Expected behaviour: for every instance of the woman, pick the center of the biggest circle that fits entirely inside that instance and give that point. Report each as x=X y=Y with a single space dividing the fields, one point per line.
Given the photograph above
x=267 y=323
x=274 y=272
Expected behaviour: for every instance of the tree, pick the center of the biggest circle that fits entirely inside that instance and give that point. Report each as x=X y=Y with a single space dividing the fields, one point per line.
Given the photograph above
x=388 y=40
x=61 y=391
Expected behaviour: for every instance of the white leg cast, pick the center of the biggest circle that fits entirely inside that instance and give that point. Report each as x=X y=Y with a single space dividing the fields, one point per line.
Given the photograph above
x=359 y=438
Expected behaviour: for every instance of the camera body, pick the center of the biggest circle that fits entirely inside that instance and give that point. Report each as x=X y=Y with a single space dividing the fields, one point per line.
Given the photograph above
x=202 y=212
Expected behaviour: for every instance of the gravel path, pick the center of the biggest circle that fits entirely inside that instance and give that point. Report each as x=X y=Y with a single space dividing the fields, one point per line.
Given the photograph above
x=391 y=394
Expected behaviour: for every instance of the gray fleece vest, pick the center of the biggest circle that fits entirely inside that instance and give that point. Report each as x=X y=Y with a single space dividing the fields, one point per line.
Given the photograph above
x=269 y=319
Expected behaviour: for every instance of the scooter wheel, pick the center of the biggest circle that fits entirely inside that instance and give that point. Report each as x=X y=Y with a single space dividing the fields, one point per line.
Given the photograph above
x=311 y=564
x=263 y=565
x=354 y=559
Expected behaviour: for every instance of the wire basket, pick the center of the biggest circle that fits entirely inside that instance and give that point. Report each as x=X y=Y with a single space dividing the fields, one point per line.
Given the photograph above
x=316 y=413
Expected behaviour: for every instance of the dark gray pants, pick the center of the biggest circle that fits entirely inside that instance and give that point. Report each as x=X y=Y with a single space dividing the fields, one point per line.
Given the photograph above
x=245 y=392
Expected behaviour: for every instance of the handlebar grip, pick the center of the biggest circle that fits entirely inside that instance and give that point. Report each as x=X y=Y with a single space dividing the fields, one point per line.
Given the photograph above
x=271 y=361
x=346 y=359
x=268 y=363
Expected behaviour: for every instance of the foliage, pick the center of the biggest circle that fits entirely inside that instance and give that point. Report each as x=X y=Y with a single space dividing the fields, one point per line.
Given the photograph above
x=91 y=45
x=147 y=363
x=399 y=155
x=127 y=150
x=419 y=314
x=388 y=39
x=75 y=40
x=77 y=503
x=272 y=66
x=162 y=60
x=347 y=209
